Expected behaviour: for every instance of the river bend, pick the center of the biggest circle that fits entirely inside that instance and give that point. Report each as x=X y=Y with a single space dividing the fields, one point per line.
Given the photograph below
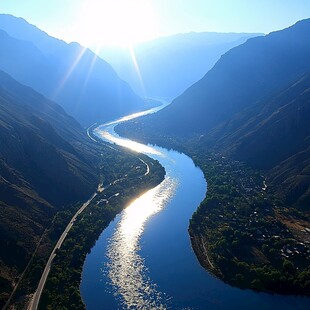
x=144 y=259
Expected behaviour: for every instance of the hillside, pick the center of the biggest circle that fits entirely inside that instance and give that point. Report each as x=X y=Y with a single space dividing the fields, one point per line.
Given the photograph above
x=255 y=218
x=242 y=77
x=262 y=117
x=246 y=124
x=46 y=162
x=273 y=135
x=82 y=83
x=169 y=65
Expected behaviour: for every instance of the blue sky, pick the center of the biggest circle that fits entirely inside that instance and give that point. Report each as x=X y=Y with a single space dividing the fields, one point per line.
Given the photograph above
x=117 y=21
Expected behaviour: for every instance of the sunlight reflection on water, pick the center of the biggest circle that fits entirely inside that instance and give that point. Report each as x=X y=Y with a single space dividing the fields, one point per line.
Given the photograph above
x=126 y=269
x=132 y=145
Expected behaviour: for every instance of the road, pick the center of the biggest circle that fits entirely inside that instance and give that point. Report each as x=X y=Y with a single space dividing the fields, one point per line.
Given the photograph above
x=33 y=305
x=36 y=297
x=88 y=132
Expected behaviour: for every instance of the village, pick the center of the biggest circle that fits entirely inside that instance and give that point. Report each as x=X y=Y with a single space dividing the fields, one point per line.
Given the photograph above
x=246 y=224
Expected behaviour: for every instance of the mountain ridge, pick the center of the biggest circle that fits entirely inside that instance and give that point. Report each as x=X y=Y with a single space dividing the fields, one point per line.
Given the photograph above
x=166 y=66
x=236 y=80
x=253 y=105
x=73 y=76
x=46 y=162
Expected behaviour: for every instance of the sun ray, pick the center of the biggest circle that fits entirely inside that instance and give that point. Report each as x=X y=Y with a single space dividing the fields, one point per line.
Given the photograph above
x=90 y=69
x=137 y=68
x=69 y=72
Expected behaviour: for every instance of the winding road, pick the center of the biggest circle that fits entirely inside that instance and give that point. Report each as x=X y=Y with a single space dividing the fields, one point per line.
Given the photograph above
x=34 y=303
x=37 y=295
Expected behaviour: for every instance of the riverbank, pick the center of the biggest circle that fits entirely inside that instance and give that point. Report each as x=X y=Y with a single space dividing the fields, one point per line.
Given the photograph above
x=125 y=175
x=200 y=247
x=252 y=238
x=249 y=233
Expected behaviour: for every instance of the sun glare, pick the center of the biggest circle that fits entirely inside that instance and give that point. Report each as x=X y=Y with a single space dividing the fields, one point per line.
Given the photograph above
x=116 y=22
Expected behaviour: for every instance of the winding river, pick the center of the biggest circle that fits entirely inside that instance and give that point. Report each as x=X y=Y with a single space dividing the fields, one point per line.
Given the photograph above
x=144 y=259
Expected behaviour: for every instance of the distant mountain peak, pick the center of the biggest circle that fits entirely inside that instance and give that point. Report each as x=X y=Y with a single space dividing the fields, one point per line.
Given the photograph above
x=168 y=65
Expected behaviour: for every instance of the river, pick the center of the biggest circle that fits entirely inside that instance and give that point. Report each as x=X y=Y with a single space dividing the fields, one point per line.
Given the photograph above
x=144 y=259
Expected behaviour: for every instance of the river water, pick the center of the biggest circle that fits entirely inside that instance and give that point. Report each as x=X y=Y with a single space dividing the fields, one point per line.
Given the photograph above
x=144 y=259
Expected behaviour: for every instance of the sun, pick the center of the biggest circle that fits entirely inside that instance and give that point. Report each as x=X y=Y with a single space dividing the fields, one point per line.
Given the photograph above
x=115 y=22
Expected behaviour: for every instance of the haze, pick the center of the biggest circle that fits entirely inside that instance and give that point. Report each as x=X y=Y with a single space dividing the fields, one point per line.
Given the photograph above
x=161 y=161
x=121 y=22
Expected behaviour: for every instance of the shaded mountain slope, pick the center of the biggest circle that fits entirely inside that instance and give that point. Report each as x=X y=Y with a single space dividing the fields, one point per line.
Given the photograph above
x=242 y=77
x=271 y=130
x=273 y=135
x=43 y=166
x=81 y=82
x=254 y=106
x=292 y=178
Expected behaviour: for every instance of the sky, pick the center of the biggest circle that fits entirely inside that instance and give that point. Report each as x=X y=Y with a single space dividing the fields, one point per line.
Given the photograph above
x=121 y=22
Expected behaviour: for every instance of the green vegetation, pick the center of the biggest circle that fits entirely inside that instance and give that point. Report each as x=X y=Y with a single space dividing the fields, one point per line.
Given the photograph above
x=246 y=237
x=62 y=287
x=116 y=164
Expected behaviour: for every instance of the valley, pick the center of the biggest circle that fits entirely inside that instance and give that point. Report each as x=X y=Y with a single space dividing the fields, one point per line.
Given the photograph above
x=240 y=210
x=167 y=174
x=148 y=266
x=62 y=287
x=245 y=233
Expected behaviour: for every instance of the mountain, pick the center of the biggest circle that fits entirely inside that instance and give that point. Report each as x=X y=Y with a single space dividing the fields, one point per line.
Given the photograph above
x=82 y=83
x=169 y=65
x=46 y=162
x=254 y=106
x=242 y=77
x=278 y=124
x=273 y=135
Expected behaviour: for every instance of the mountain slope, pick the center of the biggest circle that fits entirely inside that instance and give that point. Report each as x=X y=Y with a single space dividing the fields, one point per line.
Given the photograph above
x=169 y=65
x=44 y=165
x=252 y=229
x=27 y=119
x=273 y=135
x=81 y=82
x=243 y=76
x=254 y=106
x=271 y=130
